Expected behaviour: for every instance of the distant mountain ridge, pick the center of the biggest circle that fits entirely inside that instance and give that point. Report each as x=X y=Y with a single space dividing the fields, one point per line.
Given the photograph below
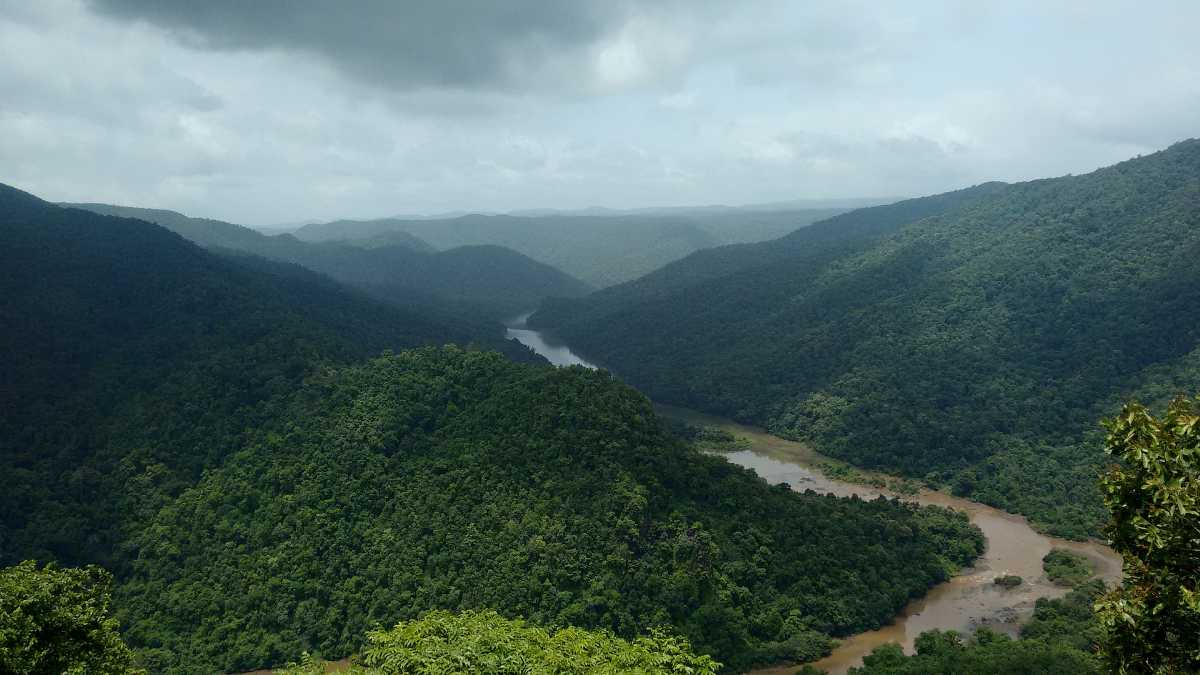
x=972 y=338
x=600 y=249
x=784 y=205
x=395 y=266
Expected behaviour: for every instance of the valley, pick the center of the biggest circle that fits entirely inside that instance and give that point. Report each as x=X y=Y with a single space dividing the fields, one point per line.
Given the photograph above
x=599 y=338
x=970 y=339
x=967 y=601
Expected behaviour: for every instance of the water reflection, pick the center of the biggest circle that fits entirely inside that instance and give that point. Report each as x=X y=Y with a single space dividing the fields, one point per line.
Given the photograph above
x=555 y=352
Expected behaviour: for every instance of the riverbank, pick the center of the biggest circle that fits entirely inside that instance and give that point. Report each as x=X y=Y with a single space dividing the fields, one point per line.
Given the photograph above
x=965 y=602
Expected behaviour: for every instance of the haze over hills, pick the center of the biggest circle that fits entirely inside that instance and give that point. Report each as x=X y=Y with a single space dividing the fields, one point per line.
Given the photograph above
x=699 y=209
x=600 y=249
x=488 y=281
x=973 y=338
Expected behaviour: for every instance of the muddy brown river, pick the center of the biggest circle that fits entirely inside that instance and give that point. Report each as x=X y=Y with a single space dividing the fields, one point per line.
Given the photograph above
x=963 y=603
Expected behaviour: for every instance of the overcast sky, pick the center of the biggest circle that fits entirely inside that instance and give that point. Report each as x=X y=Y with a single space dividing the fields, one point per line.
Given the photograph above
x=275 y=111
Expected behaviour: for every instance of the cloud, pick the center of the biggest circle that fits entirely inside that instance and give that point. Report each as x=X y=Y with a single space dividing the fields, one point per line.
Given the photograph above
x=273 y=111
x=513 y=45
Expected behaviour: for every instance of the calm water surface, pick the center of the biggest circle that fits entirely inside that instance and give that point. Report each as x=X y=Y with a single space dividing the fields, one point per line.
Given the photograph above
x=963 y=603
x=555 y=352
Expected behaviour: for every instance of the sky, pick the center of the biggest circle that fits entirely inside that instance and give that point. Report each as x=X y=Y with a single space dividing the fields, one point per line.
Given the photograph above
x=283 y=111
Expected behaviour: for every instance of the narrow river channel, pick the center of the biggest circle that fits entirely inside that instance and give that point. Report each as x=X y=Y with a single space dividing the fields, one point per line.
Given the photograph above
x=963 y=603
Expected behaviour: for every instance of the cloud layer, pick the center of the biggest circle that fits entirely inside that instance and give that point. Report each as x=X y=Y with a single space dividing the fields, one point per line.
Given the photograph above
x=278 y=111
x=515 y=44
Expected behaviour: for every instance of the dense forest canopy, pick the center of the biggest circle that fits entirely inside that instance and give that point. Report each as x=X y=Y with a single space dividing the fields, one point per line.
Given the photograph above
x=128 y=347
x=493 y=282
x=460 y=480
x=600 y=249
x=972 y=338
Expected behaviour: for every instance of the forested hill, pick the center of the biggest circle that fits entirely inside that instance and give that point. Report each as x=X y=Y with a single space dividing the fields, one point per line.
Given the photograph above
x=220 y=234
x=207 y=428
x=820 y=241
x=481 y=281
x=127 y=346
x=601 y=250
x=971 y=338
x=448 y=479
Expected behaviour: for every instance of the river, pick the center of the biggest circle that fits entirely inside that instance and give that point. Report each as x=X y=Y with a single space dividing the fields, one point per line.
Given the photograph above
x=963 y=603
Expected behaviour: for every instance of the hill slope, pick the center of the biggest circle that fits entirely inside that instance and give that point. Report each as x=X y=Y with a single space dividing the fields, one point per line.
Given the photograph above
x=602 y=250
x=973 y=337
x=488 y=281
x=123 y=340
x=447 y=479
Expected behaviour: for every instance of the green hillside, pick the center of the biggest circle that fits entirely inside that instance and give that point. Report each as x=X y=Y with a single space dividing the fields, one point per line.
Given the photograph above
x=444 y=479
x=127 y=347
x=971 y=338
x=482 y=281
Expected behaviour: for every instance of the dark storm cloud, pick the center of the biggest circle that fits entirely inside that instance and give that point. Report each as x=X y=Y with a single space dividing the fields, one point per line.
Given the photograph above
x=503 y=45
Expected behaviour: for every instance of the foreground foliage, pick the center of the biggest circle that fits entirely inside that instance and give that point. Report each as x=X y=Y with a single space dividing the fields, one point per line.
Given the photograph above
x=55 y=621
x=969 y=339
x=485 y=642
x=1154 y=495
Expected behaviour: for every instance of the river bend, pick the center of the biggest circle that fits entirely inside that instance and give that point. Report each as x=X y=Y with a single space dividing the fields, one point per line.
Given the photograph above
x=965 y=602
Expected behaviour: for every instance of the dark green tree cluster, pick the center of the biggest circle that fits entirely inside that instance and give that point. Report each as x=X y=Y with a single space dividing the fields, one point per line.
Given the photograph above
x=705 y=437
x=1062 y=637
x=55 y=621
x=1067 y=568
x=971 y=339
x=485 y=642
x=459 y=480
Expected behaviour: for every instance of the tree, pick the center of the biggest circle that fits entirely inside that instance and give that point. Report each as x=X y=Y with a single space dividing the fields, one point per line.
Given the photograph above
x=485 y=642
x=1153 y=620
x=56 y=621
